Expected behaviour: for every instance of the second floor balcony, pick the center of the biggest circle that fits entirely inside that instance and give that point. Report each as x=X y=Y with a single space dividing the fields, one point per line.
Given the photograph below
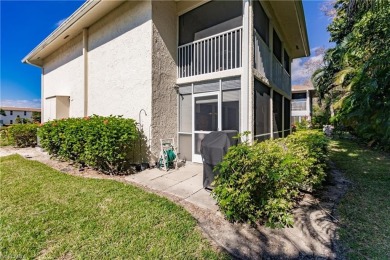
x=298 y=105
x=269 y=66
x=216 y=53
x=223 y=51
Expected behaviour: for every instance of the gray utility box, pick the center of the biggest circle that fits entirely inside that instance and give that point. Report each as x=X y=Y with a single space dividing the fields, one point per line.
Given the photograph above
x=213 y=148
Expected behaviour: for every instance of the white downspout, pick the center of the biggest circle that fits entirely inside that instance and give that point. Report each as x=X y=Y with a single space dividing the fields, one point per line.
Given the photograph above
x=85 y=56
x=42 y=87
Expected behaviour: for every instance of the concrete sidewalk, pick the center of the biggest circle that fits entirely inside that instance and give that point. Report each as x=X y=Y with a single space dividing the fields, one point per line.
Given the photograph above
x=185 y=183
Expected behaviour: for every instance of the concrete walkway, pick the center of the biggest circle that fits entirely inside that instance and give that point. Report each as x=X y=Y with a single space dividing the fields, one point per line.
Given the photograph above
x=185 y=183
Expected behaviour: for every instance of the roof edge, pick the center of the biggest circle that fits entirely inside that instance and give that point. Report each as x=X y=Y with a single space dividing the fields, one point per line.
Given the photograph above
x=74 y=17
x=302 y=26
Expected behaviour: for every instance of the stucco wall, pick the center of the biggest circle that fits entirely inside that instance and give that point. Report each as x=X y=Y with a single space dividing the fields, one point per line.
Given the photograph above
x=164 y=97
x=120 y=64
x=63 y=76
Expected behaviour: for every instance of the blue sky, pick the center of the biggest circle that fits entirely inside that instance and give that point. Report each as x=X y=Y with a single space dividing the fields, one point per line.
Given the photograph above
x=24 y=24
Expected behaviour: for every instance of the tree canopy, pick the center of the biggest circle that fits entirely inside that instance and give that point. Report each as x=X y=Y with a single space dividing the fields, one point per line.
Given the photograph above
x=354 y=83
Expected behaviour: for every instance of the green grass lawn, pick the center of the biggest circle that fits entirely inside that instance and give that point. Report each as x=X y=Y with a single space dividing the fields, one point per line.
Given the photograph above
x=365 y=210
x=48 y=214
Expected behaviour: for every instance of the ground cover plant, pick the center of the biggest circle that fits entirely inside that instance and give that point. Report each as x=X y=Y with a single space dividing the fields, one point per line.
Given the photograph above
x=105 y=143
x=263 y=181
x=365 y=209
x=51 y=215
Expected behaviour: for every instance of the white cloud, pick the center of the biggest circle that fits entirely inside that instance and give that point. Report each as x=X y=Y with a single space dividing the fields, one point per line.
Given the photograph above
x=303 y=68
x=60 y=22
x=33 y=103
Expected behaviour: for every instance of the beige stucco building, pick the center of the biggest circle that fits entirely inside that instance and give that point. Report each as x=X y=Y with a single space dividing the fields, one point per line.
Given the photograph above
x=193 y=66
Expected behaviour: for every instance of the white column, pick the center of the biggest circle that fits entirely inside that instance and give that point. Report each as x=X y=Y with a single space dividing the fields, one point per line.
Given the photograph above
x=308 y=103
x=43 y=100
x=246 y=77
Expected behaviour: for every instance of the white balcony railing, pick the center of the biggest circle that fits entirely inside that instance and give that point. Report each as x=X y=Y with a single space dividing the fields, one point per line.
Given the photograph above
x=274 y=72
x=298 y=105
x=212 y=54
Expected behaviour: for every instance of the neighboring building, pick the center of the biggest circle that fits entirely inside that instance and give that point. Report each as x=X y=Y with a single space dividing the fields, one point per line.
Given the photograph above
x=193 y=66
x=302 y=103
x=12 y=113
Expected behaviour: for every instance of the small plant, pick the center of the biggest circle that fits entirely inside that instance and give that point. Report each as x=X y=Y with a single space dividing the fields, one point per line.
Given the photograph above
x=23 y=135
x=263 y=181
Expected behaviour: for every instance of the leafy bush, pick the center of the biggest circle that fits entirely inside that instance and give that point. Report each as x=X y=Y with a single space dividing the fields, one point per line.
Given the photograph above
x=5 y=139
x=23 y=135
x=104 y=143
x=262 y=181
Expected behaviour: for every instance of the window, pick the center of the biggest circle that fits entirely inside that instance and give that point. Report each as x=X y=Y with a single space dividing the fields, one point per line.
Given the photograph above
x=11 y=121
x=277 y=105
x=11 y=113
x=299 y=96
x=262 y=111
x=25 y=113
x=277 y=47
x=261 y=21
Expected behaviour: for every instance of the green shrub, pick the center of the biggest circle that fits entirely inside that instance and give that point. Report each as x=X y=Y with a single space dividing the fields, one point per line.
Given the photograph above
x=104 y=143
x=263 y=181
x=5 y=139
x=23 y=135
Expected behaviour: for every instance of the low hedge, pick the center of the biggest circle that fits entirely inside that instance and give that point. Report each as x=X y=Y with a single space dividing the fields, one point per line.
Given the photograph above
x=262 y=181
x=104 y=143
x=23 y=135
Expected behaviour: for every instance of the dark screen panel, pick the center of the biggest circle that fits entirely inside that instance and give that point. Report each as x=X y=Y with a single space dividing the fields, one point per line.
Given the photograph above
x=286 y=62
x=287 y=116
x=299 y=95
x=277 y=46
x=262 y=109
x=261 y=21
x=208 y=15
x=277 y=111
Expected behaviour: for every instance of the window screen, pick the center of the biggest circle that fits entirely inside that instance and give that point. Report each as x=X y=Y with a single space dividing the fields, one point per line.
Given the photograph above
x=187 y=89
x=231 y=83
x=206 y=86
x=262 y=111
x=226 y=14
x=261 y=21
x=287 y=115
x=185 y=113
x=185 y=147
x=277 y=47
x=277 y=111
x=286 y=62
x=231 y=110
